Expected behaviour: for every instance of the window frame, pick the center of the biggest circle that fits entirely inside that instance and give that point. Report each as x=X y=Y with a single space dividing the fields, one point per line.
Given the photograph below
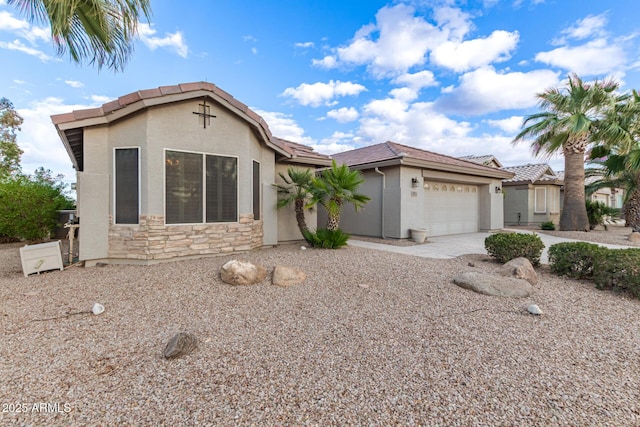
x=554 y=200
x=115 y=189
x=253 y=188
x=536 y=198
x=203 y=178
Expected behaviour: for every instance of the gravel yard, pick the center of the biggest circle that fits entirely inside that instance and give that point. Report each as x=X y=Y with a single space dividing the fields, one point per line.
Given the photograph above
x=370 y=338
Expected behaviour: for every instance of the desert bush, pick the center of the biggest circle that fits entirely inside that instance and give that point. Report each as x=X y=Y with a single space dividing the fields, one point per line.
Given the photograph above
x=598 y=212
x=327 y=239
x=619 y=269
x=575 y=259
x=548 y=225
x=506 y=246
x=29 y=205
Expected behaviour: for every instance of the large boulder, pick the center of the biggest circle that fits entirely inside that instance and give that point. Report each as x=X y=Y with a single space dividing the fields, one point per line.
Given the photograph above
x=494 y=285
x=520 y=268
x=287 y=276
x=237 y=272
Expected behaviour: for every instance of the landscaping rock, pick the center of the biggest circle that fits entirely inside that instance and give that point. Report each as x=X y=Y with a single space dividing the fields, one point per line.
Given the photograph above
x=494 y=285
x=181 y=344
x=520 y=268
x=287 y=276
x=534 y=309
x=237 y=272
x=634 y=237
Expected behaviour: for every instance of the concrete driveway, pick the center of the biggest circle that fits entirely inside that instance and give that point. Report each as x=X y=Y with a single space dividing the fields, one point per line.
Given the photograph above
x=446 y=247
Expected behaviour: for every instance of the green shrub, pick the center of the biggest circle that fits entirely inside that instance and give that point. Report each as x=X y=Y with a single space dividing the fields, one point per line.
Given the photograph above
x=597 y=212
x=575 y=259
x=327 y=239
x=548 y=225
x=506 y=246
x=620 y=268
x=28 y=207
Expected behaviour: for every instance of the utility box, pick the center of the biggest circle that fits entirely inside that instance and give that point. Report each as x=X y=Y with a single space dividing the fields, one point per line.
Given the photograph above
x=41 y=257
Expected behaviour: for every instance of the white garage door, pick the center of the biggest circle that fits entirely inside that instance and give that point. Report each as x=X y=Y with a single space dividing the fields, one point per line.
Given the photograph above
x=451 y=208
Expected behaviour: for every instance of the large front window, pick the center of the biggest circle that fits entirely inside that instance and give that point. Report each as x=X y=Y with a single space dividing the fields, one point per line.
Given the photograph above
x=200 y=188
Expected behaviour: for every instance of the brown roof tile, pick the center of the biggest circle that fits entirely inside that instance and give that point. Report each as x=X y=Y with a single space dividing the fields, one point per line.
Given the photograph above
x=540 y=172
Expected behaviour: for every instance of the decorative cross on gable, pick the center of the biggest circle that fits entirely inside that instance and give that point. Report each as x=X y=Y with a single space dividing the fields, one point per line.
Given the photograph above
x=204 y=113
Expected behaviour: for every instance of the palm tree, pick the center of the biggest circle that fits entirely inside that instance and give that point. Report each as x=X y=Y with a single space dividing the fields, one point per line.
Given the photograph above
x=569 y=120
x=296 y=191
x=620 y=161
x=100 y=31
x=334 y=187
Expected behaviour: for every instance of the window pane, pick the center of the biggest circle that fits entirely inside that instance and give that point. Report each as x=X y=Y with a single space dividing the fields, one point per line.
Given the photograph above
x=222 y=189
x=256 y=190
x=183 y=187
x=540 y=202
x=126 y=186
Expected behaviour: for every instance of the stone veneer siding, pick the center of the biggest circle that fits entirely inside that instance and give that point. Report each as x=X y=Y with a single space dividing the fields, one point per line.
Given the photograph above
x=152 y=239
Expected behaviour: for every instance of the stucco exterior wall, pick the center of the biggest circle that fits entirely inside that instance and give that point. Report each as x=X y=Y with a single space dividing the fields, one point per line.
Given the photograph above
x=368 y=220
x=154 y=130
x=287 y=224
x=520 y=199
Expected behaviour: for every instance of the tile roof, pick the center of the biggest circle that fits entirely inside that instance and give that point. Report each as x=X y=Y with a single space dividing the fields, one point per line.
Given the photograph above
x=305 y=152
x=483 y=160
x=533 y=173
x=390 y=151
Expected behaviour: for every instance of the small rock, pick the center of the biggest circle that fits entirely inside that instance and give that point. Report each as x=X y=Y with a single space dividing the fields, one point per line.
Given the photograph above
x=287 y=276
x=303 y=248
x=471 y=264
x=237 y=272
x=97 y=308
x=181 y=344
x=534 y=309
x=634 y=237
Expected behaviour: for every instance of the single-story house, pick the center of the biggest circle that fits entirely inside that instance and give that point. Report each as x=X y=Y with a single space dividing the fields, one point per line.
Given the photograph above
x=612 y=197
x=412 y=188
x=532 y=195
x=487 y=160
x=177 y=171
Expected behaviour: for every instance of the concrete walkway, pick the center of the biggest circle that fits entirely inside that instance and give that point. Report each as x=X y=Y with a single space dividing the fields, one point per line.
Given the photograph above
x=446 y=247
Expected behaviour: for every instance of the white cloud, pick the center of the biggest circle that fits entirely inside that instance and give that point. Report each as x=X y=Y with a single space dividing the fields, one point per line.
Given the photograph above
x=462 y=56
x=336 y=143
x=304 y=45
x=254 y=50
x=22 y=28
x=74 y=83
x=327 y=62
x=398 y=40
x=283 y=126
x=344 y=114
x=593 y=58
x=172 y=41
x=590 y=27
x=484 y=90
x=9 y=23
x=18 y=46
x=40 y=141
x=100 y=99
x=509 y=125
x=417 y=80
x=318 y=93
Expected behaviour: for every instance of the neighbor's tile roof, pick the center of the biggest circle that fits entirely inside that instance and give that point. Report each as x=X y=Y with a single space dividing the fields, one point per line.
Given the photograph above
x=301 y=151
x=541 y=172
x=392 y=150
x=483 y=160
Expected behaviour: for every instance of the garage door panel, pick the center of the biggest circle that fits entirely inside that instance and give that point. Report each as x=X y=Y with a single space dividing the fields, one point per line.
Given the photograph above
x=451 y=208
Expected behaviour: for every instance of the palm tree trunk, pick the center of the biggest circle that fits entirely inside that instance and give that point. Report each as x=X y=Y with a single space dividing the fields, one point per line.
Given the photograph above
x=632 y=208
x=333 y=221
x=302 y=222
x=574 y=212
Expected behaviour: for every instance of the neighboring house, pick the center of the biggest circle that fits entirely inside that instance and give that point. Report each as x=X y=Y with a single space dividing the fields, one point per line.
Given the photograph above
x=612 y=197
x=177 y=171
x=412 y=188
x=532 y=196
x=487 y=160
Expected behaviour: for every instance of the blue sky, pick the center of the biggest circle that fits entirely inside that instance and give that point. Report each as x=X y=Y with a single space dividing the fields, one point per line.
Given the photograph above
x=454 y=77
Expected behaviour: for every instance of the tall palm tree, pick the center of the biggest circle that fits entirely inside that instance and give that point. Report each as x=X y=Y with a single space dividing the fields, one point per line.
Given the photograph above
x=100 y=31
x=334 y=187
x=296 y=191
x=569 y=119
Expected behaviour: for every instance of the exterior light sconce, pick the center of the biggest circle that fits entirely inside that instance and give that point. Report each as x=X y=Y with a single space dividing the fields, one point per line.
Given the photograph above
x=414 y=182
x=498 y=190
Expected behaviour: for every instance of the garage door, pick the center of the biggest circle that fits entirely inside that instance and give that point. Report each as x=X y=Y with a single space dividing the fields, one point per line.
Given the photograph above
x=451 y=208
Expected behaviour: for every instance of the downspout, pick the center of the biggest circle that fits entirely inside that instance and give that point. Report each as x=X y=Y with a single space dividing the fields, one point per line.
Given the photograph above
x=382 y=201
